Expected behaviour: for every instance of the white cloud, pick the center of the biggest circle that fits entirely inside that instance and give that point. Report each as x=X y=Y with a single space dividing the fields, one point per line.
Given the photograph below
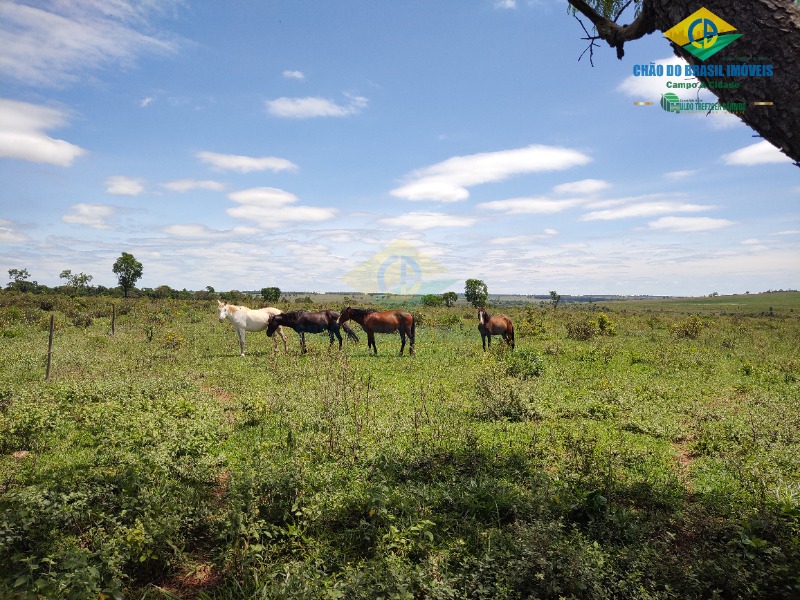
x=676 y=175
x=507 y=4
x=689 y=224
x=9 y=235
x=22 y=134
x=645 y=209
x=522 y=240
x=651 y=88
x=756 y=154
x=787 y=232
x=448 y=180
x=294 y=75
x=119 y=185
x=187 y=185
x=585 y=186
x=312 y=107
x=201 y=232
x=530 y=206
x=145 y=102
x=245 y=164
x=91 y=215
x=428 y=220
x=271 y=208
x=56 y=42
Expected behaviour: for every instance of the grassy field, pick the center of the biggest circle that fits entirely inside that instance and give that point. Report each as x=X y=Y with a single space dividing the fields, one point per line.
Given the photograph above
x=627 y=450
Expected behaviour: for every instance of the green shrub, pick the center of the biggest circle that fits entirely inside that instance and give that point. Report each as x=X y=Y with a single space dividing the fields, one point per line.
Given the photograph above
x=582 y=330
x=524 y=363
x=689 y=328
x=605 y=325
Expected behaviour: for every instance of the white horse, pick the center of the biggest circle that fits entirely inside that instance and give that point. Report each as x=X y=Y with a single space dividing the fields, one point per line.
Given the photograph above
x=248 y=319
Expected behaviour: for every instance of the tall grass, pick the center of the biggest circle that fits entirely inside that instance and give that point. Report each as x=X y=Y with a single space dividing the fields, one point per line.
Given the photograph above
x=636 y=462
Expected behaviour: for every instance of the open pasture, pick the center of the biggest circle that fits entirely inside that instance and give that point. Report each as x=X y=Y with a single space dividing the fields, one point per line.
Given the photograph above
x=633 y=454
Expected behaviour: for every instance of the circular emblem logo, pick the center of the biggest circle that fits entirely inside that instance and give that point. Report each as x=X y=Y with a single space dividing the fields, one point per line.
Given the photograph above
x=399 y=275
x=708 y=33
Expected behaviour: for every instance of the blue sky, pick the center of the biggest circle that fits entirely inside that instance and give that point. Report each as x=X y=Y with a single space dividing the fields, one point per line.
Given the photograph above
x=248 y=144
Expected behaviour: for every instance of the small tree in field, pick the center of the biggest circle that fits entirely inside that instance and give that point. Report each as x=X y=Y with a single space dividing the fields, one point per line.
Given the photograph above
x=79 y=282
x=555 y=298
x=271 y=294
x=476 y=292
x=128 y=271
x=19 y=280
x=432 y=300
x=449 y=298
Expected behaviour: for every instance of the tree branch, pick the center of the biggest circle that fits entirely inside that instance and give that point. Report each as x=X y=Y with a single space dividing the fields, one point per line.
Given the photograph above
x=591 y=39
x=617 y=35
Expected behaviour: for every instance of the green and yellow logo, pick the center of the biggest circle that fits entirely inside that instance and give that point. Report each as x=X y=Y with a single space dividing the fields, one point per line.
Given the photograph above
x=702 y=34
x=670 y=102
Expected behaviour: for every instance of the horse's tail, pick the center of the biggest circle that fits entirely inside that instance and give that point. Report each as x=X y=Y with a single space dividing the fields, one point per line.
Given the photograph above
x=512 y=336
x=413 y=329
x=350 y=333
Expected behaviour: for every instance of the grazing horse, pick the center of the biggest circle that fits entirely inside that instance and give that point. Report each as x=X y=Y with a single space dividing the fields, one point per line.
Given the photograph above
x=499 y=325
x=387 y=321
x=248 y=319
x=304 y=322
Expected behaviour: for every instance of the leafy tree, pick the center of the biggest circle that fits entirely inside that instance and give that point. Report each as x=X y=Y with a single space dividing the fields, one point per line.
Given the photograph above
x=449 y=298
x=79 y=281
x=271 y=294
x=18 y=275
x=769 y=28
x=19 y=281
x=555 y=298
x=432 y=300
x=476 y=292
x=128 y=271
x=162 y=291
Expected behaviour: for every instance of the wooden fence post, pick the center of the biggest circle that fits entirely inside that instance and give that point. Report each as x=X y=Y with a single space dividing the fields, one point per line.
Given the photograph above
x=50 y=347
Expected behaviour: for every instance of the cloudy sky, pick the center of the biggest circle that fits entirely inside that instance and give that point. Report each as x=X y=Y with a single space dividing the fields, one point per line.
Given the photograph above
x=249 y=144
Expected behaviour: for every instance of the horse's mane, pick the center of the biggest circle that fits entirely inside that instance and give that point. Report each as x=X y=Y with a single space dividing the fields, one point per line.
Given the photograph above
x=293 y=315
x=362 y=312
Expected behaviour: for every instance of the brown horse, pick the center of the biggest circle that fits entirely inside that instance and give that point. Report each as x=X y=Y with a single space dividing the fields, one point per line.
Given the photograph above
x=499 y=325
x=387 y=321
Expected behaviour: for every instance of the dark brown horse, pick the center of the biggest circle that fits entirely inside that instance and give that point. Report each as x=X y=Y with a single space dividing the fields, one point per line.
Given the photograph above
x=498 y=325
x=304 y=322
x=387 y=321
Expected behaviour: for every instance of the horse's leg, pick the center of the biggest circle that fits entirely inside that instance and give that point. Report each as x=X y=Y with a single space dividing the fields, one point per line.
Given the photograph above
x=402 y=340
x=371 y=342
x=483 y=341
x=283 y=337
x=338 y=335
x=240 y=333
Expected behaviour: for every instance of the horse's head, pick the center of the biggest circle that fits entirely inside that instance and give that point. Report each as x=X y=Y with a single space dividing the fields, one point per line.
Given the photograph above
x=482 y=315
x=344 y=316
x=272 y=325
x=222 y=311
